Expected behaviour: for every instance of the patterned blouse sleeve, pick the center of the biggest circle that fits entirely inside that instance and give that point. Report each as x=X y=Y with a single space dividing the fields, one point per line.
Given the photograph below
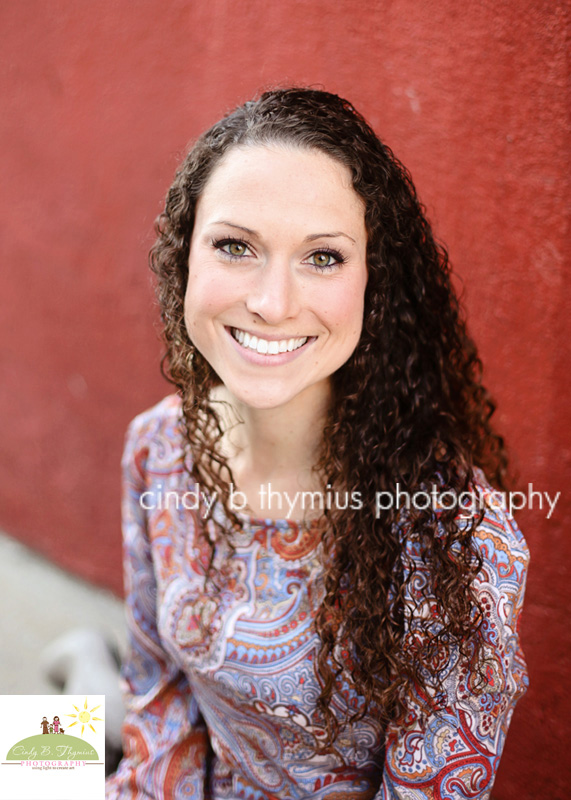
x=455 y=754
x=165 y=742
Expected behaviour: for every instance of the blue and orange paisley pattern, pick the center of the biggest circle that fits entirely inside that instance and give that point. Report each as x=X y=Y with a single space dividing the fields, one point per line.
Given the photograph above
x=220 y=684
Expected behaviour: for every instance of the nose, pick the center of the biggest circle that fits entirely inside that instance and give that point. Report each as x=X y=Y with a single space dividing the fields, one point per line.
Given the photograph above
x=274 y=294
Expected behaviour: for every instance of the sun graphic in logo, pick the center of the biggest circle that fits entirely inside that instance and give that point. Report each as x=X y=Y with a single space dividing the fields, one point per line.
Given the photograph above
x=84 y=717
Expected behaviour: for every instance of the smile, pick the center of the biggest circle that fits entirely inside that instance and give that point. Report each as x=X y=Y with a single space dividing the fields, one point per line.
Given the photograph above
x=266 y=346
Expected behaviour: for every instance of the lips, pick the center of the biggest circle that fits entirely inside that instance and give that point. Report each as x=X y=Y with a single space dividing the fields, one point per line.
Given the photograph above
x=267 y=346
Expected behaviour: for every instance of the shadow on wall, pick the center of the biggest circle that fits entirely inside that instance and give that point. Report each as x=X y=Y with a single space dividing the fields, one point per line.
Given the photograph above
x=59 y=633
x=84 y=662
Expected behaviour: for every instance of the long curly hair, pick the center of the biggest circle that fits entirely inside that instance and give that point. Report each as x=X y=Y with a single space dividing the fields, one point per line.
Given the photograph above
x=408 y=413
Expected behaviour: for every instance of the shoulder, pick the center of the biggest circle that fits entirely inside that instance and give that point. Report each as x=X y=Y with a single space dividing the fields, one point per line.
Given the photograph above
x=164 y=417
x=155 y=439
x=497 y=535
x=494 y=536
x=482 y=510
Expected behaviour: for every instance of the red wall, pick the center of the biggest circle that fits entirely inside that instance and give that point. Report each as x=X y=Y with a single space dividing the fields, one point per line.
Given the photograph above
x=99 y=101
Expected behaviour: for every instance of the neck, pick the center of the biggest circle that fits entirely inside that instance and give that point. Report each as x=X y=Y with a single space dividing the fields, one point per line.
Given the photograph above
x=277 y=446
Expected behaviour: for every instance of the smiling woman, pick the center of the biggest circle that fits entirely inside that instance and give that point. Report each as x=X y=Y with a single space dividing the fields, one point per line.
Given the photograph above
x=351 y=647
x=277 y=275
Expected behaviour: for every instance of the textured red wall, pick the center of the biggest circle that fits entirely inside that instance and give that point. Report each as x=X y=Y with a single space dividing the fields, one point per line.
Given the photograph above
x=99 y=101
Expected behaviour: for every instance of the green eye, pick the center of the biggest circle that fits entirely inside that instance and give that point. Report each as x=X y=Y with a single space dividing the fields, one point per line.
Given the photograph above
x=322 y=259
x=233 y=248
x=326 y=259
x=236 y=248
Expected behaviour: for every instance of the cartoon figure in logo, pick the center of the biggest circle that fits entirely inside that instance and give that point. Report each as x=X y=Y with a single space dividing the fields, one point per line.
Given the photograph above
x=51 y=728
x=45 y=725
x=61 y=730
x=56 y=724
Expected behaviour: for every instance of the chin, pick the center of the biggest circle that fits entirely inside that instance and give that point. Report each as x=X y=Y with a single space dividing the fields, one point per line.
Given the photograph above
x=260 y=402
x=259 y=396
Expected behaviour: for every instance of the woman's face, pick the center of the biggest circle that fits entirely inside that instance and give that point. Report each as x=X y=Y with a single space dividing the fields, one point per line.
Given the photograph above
x=277 y=274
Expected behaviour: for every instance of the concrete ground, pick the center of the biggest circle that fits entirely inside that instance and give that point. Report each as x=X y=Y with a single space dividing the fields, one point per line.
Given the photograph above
x=37 y=610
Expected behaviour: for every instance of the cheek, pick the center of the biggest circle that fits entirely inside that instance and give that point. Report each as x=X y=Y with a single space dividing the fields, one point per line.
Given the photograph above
x=204 y=296
x=195 y=307
x=344 y=313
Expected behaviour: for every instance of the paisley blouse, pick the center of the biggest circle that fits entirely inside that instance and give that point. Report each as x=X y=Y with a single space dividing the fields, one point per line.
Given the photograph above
x=231 y=714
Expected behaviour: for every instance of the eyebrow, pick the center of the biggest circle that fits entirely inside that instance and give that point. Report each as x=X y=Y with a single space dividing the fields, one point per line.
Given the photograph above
x=233 y=225
x=312 y=237
x=332 y=235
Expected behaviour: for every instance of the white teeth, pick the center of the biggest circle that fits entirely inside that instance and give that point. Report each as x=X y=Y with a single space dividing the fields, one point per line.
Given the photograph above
x=264 y=346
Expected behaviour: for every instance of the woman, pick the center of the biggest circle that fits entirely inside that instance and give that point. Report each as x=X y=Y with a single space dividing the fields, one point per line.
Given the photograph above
x=323 y=590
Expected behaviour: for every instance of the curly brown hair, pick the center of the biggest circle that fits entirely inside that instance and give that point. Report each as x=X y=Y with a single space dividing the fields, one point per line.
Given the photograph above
x=409 y=413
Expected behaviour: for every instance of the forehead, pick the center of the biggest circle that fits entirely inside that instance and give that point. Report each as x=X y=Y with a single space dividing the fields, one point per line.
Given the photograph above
x=295 y=183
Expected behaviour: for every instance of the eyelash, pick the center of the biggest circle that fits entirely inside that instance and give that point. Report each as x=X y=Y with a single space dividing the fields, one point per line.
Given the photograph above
x=339 y=259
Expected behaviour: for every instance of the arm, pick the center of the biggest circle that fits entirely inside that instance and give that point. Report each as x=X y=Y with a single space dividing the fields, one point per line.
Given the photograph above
x=456 y=754
x=165 y=741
